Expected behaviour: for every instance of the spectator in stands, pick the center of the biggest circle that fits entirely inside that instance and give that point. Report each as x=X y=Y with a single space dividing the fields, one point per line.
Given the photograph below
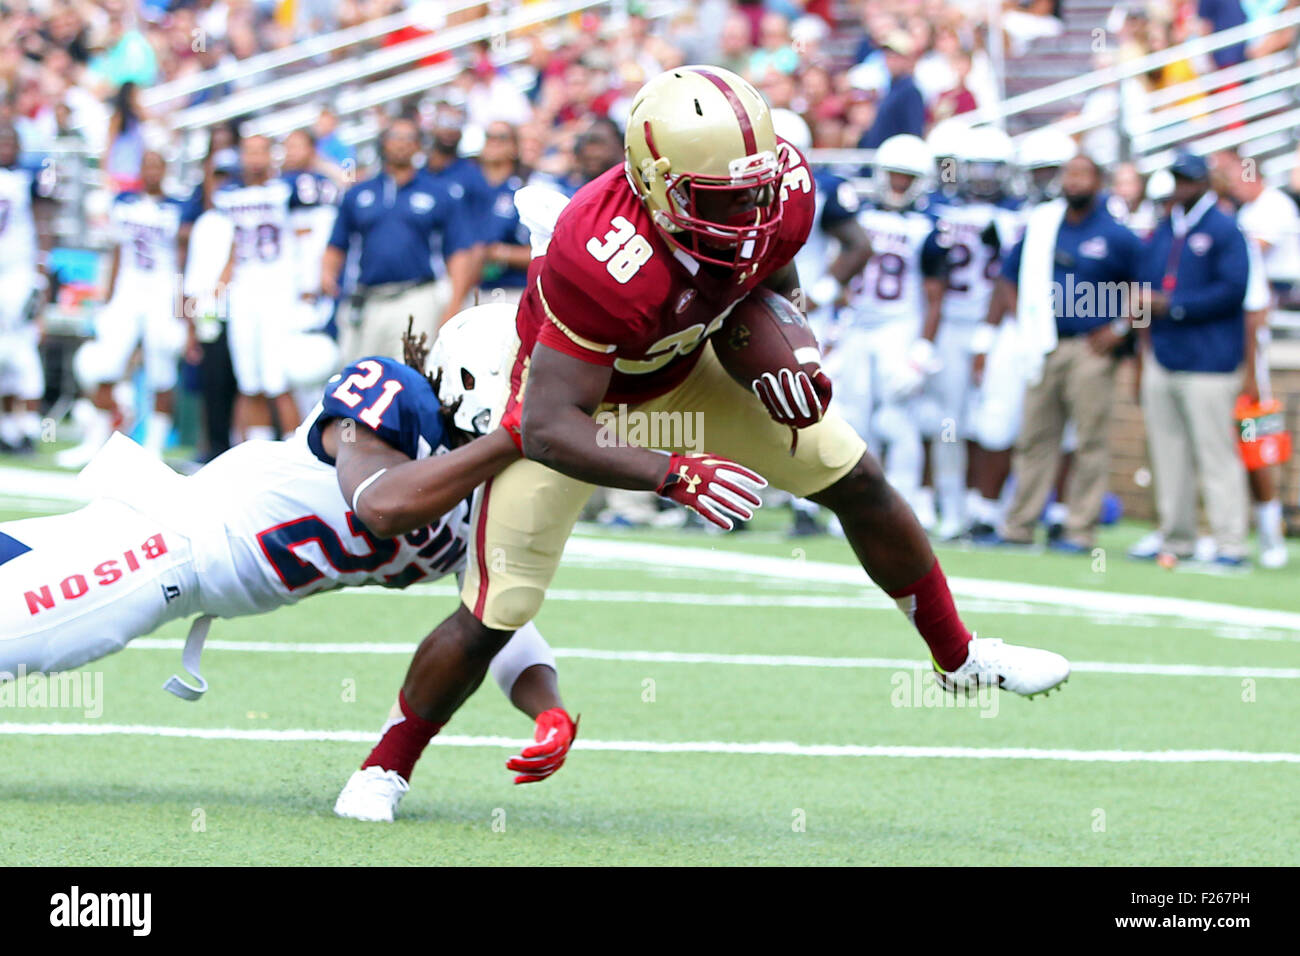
x=125 y=140
x=1072 y=273
x=401 y=218
x=598 y=147
x=1219 y=15
x=328 y=143
x=902 y=109
x=958 y=98
x=734 y=47
x=1194 y=273
x=775 y=50
x=1024 y=21
x=506 y=247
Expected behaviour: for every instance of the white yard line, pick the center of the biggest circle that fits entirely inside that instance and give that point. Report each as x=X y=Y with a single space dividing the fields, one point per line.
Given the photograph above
x=609 y=551
x=761 y=748
x=752 y=660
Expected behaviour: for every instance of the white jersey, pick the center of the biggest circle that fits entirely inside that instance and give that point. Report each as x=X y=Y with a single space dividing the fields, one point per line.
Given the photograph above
x=1273 y=219
x=312 y=219
x=890 y=289
x=17 y=224
x=145 y=228
x=975 y=233
x=264 y=237
x=284 y=530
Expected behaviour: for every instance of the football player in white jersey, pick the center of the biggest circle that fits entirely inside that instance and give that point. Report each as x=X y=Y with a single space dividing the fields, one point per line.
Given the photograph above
x=312 y=220
x=883 y=352
x=370 y=490
x=24 y=239
x=978 y=220
x=143 y=309
x=263 y=290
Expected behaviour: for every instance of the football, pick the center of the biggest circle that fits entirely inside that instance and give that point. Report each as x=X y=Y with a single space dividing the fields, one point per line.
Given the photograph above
x=766 y=332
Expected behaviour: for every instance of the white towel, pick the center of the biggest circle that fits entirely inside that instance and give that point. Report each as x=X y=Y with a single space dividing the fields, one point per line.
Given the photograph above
x=1034 y=303
x=539 y=207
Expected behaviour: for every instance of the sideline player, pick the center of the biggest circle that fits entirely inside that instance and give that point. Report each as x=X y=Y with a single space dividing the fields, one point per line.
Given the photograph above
x=24 y=241
x=143 y=309
x=366 y=492
x=884 y=350
x=643 y=265
x=263 y=290
x=979 y=220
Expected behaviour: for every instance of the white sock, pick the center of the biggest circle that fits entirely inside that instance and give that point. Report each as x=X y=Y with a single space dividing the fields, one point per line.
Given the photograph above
x=1268 y=521
x=156 y=432
x=11 y=432
x=259 y=433
x=1057 y=512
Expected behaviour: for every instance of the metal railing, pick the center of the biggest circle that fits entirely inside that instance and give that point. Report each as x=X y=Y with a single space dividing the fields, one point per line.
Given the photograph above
x=334 y=75
x=1097 y=79
x=254 y=67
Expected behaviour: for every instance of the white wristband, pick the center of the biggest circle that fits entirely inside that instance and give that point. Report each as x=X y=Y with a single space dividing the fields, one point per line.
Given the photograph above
x=356 y=495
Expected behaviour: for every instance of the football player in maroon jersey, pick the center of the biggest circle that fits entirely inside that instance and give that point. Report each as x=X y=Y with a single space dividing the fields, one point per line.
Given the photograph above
x=643 y=266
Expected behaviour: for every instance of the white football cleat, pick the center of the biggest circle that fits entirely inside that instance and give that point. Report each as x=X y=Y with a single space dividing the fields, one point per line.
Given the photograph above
x=371 y=794
x=1149 y=548
x=990 y=662
x=1274 y=557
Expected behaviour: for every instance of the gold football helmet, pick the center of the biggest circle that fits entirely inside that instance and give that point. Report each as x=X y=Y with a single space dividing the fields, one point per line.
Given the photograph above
x=703 y=157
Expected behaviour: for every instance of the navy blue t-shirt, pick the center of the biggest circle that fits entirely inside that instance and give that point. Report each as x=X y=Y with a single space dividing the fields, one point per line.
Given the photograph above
x=1097 y=250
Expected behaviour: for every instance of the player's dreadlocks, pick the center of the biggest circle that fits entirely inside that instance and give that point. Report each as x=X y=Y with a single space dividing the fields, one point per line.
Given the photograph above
x=415 y=353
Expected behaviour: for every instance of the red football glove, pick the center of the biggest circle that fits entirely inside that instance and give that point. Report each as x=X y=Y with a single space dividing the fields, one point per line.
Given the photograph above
x=513 y=422
x=715 y=488
x=554 y=735
x=794 y=398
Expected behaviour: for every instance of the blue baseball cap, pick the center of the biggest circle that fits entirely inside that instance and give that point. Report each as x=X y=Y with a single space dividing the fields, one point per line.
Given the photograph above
x=1188 y=166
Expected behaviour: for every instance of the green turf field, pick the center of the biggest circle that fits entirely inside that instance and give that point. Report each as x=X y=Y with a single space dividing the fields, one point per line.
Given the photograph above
x=802 y=734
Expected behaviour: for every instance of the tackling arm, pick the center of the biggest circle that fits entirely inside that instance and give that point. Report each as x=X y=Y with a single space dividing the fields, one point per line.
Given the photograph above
x=409 y=494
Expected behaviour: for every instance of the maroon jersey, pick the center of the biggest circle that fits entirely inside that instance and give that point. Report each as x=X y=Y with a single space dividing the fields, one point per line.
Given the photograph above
x=611 y=291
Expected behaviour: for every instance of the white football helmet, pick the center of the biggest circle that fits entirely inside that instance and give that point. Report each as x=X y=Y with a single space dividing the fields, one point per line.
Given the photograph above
x=471 y=362
x=947 y=137
x=1041 y=154
x=986 y=158
x=906 y=154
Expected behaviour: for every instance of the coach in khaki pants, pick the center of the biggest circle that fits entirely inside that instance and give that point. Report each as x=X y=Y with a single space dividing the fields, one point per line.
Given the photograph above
x=1074 y=273
x=400 y=219
x=1194 y=271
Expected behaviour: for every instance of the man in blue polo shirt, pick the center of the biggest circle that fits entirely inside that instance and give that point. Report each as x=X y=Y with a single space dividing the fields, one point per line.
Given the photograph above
x=1194 y=278
x=1073 y=276
x=402 y=219
x=902 y=109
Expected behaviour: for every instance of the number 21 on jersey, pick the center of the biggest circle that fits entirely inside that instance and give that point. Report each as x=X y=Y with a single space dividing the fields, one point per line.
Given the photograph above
x=365 y=380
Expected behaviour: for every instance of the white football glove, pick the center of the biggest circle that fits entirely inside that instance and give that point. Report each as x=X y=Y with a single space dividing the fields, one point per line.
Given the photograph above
x=905 y=379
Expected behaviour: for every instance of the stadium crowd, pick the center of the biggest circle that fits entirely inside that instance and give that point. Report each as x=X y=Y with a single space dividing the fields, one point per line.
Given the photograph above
x=428 y=224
